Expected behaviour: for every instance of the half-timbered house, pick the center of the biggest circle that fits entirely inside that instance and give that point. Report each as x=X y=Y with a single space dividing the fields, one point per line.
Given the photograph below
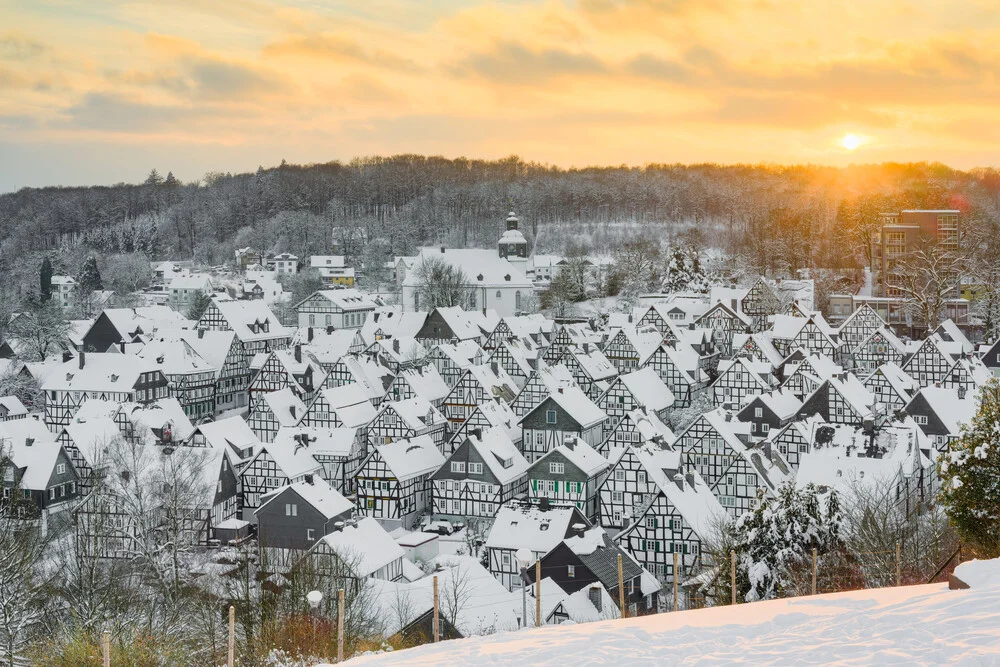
x=940 y=413
x=477 y=384
x=524 y=526
x=760 y=303
x=680 y=369
x=569 y=474
x=842 y=399
x=639 y=389
x=271 y=467
x=358 y=550
x=423 y=382
x=274 y=410
x=591 y=370
x=725 y=322
x=566 y=412
x=680 y=514
x=769 y=411
x=539 y=385
x=485 y=471
x=340 y=308
x=291 y=519
x=393 y=481
x=740 y=379
x=892 y=387
x=630 y=348
x=407 y=419
x=932 y=360
x=633 y=430
x=452 y=359
x=880 y=347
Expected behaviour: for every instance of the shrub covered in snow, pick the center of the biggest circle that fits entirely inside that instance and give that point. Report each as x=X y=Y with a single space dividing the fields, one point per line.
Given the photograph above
x=779 y=536
x=970 y=476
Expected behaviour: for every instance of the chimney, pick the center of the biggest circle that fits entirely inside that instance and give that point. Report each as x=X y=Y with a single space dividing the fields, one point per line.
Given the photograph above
x=689 y=476
x=729 y=416
x=309 y=480
x=395 y=345
x=679 y=480
x=560 y=390
x=586 y=348
x=569 y=441
x=767 y=449
x=338 y=526
x=630 y=318
x=493 y=367
x=961 y=391
x=82 y=358
x=329 y=329
x=291 y=409
x=67 y=355
x=201 y=333
x=309 y=335
x=594 y=594
x=121 y=346
x=476 y=433
x=298 y=353
x=28 y=442
x=579 y=529
x=442 y=250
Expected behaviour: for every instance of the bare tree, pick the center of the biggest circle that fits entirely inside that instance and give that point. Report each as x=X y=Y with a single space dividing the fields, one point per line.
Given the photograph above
x=41 y=331
x=456 y=591
x=440 y=284
x=926 y=279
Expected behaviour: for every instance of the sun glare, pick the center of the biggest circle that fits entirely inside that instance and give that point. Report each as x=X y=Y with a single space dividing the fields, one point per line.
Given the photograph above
x=850 y=141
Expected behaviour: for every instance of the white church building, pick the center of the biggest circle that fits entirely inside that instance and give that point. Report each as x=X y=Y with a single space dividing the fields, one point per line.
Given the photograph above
x=496 y=278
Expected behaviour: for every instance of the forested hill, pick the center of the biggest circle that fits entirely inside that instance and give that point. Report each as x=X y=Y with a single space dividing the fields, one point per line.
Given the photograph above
x=409 y=200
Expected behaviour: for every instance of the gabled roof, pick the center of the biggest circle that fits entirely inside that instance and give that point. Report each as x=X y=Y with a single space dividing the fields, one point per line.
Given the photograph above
x=688 y=493
x=411 y=458
x=648 y=389
x=317 y=493
x=898 y=379
x=782 y=402
x=426 y=382
x=102 y=372
x=500 y=455
x=764 y=344
x=321 y=440
x=242 y=315
x=416 y=413
x=292 y=461
x=530 y=527
x=579 y=453
x=288 y=408
x=364 y=546
x=345 y=299
x=392 y=322
x=495 y=271
x=576 y=404
x=949 y=408
x=31 y=447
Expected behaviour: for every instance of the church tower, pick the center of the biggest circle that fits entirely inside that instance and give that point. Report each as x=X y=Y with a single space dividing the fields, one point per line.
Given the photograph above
x=513 y=246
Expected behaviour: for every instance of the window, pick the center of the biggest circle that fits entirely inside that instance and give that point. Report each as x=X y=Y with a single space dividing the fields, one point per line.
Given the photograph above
x=291 y=509
x=765 y=428
x=641 y=476
x=758 y=412
x=920 y=419
x=550 y=416
x=61 y=469
x=499 y=295
x=310 y=536
x=505 y=559
x=571 y=571
x=557 y=468
x=651 y=522
x=619 y=475
x=458 y=466
x=617 y=497
x=52 y=493
x=475 y=468
x=539 y=438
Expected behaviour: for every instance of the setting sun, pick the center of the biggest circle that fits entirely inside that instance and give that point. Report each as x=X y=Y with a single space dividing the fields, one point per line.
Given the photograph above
x=850 y=141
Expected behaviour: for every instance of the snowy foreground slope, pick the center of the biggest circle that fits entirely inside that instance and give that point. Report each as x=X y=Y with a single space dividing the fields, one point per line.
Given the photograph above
x=903 y=626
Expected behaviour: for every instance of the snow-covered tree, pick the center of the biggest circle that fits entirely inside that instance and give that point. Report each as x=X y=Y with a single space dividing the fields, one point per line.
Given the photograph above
x=40 y=331
x=779 y=535
x=440 y=284
x=970 y=476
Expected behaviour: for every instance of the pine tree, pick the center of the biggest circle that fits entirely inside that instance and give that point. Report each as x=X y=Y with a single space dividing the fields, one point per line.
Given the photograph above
x=197 y=308
x=970 y=476
x=779 y=534
x=89 y=278
x=45 y=274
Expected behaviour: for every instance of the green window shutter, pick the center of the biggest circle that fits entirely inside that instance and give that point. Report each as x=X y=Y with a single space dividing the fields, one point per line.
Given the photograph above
x=656 y=522
x=657 y=544
x=644 y=545
x=534 y=485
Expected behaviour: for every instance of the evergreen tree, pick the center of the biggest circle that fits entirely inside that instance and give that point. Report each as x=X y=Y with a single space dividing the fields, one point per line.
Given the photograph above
x=778 y=536
x=154 y=178
x=198 y=306
x=970 y=476
x=89 y=278
x=46 y=279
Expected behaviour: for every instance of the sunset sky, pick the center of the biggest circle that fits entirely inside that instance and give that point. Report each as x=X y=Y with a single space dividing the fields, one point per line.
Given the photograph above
x=100 y=91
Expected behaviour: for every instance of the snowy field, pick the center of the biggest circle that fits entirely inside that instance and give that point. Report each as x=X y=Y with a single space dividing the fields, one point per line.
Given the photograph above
x=912 y=625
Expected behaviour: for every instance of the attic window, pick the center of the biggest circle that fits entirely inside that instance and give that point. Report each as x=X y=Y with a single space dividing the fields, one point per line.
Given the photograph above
x=543 y=527
x=114 y=378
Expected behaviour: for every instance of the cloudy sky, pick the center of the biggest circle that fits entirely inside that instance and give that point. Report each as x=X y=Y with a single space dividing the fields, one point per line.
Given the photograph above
x=100 y=91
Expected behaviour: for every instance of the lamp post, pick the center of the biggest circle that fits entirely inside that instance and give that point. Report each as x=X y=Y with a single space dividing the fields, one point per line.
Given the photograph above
x=314 y=598
x=524 y=559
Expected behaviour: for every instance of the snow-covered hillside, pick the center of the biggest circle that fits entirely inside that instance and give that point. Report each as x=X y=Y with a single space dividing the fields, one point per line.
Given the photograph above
x=904 y=626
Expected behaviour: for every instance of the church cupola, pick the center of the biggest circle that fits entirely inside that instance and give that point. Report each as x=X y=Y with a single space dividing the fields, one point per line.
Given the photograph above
x=513 y=246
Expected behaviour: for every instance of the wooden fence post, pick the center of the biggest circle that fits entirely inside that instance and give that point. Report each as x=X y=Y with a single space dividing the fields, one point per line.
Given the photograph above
x=732 y=573
x=538 y=593
x=231 y=656
x=437 y=628
x=340 y=625
x=899 y=567
x=106 y=645
x=676 y=576
x=621 y=587
x=814 y=572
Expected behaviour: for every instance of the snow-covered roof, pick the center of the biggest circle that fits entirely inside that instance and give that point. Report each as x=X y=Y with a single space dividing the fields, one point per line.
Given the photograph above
x=392 y=322
x=364 y=546
x=31 y=446
x=579 y=453
x=242 y=315
x=530 y=527
x=13 y=405
x=321 y=496
x=292 y=461
x=950 y=409
x=345 y=299
x=782 y=402
x=577 y=405
x=322 y=440
x=648 y=389
x=499 y=454
x=416 y=413
x=288 y=408
x=688 y=494
x=426 y=382
x=102 y=372
x=228 y=432
x=411 y=457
